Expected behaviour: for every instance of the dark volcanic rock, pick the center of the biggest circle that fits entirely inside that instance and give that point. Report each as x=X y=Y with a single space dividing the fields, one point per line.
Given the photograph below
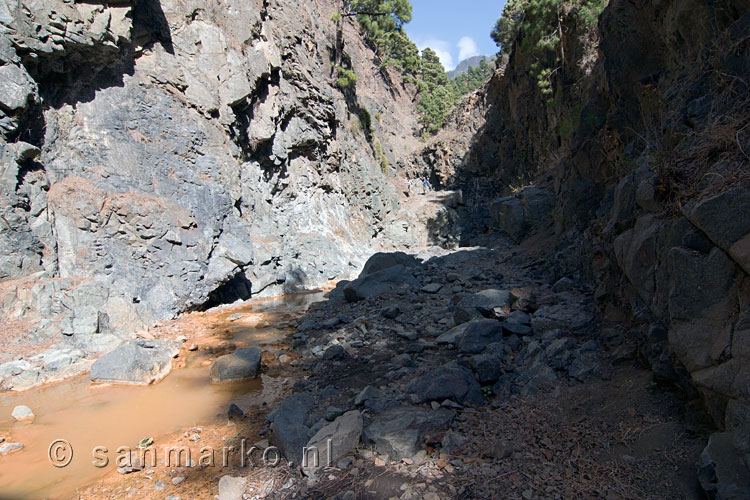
x=481 y=305
x=399 y=432
x=450 y=381
x=380 y=282
x=381 y=261
x=288 y=423
x=479 y=334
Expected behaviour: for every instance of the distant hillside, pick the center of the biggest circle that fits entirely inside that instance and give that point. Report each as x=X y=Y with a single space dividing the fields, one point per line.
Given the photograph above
x=464 y=65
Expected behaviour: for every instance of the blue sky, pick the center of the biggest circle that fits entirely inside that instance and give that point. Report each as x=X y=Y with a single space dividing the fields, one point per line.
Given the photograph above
x=455 y=29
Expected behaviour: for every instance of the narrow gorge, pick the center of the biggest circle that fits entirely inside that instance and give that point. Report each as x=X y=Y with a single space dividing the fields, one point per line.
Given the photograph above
x=546 y=298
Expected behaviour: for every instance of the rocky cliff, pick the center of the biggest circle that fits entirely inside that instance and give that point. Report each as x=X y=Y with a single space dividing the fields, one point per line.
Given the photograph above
x=160 y=156
x=638 y=162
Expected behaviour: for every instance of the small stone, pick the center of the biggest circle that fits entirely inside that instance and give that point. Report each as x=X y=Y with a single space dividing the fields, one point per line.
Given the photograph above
x=22 y=412
x=160 y=485
x=177 y=480
x=235 y=411
x=7 y=448
x=232 y=488
x=235 y=316
x=379 y=462
x=432 y=288
x=193 y=348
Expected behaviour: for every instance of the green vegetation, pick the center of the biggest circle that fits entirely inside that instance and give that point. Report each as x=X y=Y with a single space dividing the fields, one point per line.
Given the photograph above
x=538 y=26
x=382 y=158
x=346 y=78
x=381 y=22
x=365 y=120
x=474 y=78
x=437 y=93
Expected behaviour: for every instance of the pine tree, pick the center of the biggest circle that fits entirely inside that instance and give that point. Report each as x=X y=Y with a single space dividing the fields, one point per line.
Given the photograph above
x=382 y=23
x=438 y=93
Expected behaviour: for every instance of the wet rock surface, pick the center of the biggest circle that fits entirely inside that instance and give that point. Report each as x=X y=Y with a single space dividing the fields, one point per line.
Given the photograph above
x=242 y=364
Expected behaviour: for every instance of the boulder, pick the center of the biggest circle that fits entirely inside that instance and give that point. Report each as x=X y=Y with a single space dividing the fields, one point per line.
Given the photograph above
x=381 y=261
x=454 y=335
x=332 y=442
x=399 y=432
x=488 y=366
x=242 y=364
x=577 y=318
x=380 y=282
x=479 y=334
x=481 y=305
x=135 y=362
x=22 y=412
x=288 y=424
x=722 y=217
x=450 y=381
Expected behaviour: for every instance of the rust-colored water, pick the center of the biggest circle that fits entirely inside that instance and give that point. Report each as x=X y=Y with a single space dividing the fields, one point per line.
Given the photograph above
x=87 y=416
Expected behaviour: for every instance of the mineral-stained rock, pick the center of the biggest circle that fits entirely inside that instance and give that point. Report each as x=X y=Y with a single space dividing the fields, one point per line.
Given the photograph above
x=242 y=364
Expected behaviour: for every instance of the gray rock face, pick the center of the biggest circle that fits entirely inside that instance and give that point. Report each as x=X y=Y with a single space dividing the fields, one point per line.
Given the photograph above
x=720 y=470
x=528 y=210
x=449 y=381
x=723 y=218
x=16 y=87
x=242 y=364
x=139 y=362
x=377 y=283
x=399 y=432
x=200 y=171
x=332 y=442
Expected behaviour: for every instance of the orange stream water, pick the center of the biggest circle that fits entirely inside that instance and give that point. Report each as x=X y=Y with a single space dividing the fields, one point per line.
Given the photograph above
x=113 y=416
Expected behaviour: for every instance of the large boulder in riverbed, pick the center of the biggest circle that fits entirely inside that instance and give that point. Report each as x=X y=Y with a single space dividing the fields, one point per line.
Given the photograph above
x=379 y=283
x=381 y=261
x=242 y=364
x=137 y=362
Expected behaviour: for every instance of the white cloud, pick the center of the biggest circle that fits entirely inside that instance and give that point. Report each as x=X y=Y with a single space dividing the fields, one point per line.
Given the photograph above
x=467 y=48
x=441 y=48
